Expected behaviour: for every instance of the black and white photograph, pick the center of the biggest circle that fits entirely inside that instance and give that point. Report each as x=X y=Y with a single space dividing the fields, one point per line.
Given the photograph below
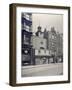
x=41 y=44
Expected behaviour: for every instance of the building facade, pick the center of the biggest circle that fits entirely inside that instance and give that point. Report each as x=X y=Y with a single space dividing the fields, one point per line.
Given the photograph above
x=26 y=20
x=52 y=41
x=60 y=46
x=39 y=43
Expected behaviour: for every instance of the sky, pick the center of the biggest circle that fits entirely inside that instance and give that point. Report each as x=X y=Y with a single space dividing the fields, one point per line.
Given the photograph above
x=47 y=21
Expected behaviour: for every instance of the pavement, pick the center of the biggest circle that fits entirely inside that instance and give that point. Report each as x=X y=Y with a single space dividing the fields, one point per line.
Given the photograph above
x=42 y=70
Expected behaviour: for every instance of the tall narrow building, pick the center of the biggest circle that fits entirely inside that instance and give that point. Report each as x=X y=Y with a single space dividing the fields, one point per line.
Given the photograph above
x=26 y=21
x=52 y=41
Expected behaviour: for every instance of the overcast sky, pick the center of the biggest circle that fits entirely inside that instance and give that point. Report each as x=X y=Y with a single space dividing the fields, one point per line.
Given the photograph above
x=47 y=21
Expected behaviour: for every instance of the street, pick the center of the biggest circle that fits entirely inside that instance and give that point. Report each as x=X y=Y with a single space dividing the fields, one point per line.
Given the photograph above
x=42 y=70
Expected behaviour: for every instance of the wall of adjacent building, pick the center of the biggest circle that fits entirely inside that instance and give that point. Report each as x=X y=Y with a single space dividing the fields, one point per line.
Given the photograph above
x=38 y=42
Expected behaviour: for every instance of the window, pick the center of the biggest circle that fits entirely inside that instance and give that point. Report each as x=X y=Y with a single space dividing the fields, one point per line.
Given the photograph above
x=41 y=47
x=41 y=42
x=53 y=44
x=27 y=17
x=45 y=51
x=39 y=51
x=52 y=36
x=26 y=52
x=26 y=40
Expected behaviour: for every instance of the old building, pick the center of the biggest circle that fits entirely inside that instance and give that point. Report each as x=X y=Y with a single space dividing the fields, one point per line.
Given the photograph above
x=51 y=37
x=54 y=42
x=39 y=43
x=60 y=45
x=26 y=20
